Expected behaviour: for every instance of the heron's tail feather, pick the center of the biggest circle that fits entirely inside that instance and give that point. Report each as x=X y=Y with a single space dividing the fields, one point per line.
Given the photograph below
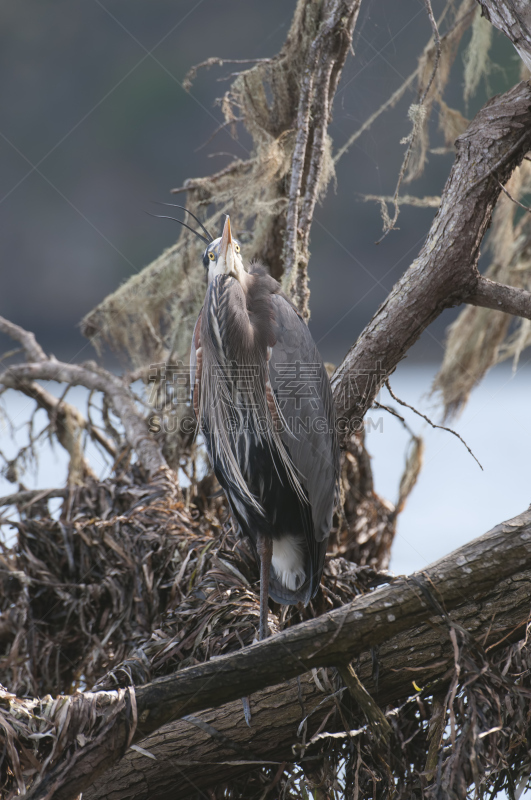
x=291 y=580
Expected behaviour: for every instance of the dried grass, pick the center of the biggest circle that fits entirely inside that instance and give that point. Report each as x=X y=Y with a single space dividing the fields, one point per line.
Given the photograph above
x=132 y=583
x=433 y=91
x=129 y=584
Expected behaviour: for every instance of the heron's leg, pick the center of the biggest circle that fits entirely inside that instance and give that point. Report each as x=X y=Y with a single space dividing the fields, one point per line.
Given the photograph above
x=264 y=545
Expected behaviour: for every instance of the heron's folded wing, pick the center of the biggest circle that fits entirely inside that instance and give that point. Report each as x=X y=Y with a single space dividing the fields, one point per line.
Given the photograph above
x=302 y=389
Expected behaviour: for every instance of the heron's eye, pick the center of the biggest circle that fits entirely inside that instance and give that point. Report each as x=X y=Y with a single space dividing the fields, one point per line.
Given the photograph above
x=237 y=247
x=211 y=256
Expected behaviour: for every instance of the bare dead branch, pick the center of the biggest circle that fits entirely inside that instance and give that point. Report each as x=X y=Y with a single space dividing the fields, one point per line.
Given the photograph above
x=67 y=422
x=29 y=496
x=324 y=63
x=518 y=203
x=500 y=297
x=389 y=103
x=406 y=200
x=93 y=377
x=220 y=127
x=394 y=413
x=428 y=420
x=445 y=272
x=215 y=61
x=397 y=95
x=203 y=761
x=32 y=348
x=69 y=417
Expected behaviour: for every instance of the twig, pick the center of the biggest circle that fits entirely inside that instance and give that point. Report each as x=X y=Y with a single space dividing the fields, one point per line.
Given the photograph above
x=215 y=61
x=406 y=200
x=29 y=496
x=97 y=434
x=389 y=103
x=10 y=353
x=97 y=379
x=33 y=350
x=234 y=165
x=499 y=163
x=433 y=425
x=394 y=414
x=502 y=187
x=464 y=575
x=218 y=129
x=378 y=724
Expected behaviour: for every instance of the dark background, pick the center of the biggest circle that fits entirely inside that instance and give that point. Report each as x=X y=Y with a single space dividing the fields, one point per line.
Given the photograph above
x=95 y=125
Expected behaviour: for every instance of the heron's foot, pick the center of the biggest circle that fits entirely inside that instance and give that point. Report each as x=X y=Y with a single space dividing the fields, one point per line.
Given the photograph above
x=264 y=629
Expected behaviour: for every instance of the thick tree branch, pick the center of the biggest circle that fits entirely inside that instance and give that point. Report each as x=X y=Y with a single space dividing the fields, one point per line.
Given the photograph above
x=365 y=623
x=445 y=272
x=496 y=566
x=323 y=67
x=501 y=297
x=513 y=18
x=187 y=755
x=332 y=639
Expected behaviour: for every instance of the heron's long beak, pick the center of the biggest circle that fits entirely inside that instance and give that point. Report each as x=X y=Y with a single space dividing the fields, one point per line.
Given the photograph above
x=226 y=248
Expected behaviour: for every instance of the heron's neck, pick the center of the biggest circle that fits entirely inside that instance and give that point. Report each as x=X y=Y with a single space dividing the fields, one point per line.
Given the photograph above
x=239 y=319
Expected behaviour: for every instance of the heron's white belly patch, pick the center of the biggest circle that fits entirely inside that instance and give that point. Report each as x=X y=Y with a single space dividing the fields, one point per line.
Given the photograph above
x=288 y=561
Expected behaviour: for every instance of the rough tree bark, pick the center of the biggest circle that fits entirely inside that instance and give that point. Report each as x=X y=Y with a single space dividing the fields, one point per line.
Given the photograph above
x=323 y=67
x=334 y=639
x=445 y=272
x=513 y=18
x=191 y=755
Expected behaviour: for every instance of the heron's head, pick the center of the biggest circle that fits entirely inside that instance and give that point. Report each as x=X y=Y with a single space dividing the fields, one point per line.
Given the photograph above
x=223 y=256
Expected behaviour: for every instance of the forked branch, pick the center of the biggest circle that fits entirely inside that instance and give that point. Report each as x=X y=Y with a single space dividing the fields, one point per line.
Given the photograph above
x=24 y=376
x=445 y=272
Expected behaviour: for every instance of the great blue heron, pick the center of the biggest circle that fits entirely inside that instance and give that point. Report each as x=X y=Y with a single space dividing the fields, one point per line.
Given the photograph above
x=264 y=404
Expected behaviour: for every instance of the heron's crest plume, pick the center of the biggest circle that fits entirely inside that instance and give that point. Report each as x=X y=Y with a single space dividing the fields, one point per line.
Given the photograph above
x=199 y=235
